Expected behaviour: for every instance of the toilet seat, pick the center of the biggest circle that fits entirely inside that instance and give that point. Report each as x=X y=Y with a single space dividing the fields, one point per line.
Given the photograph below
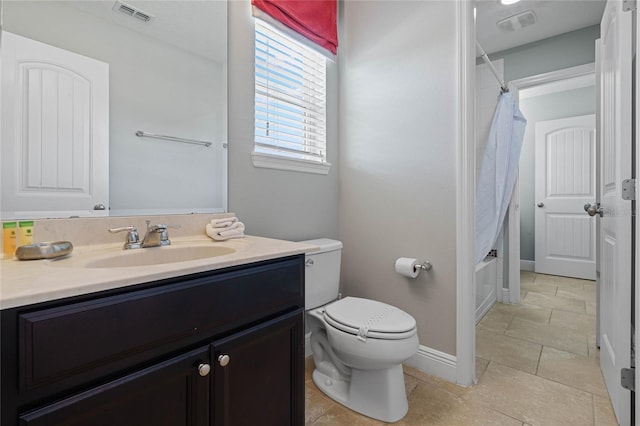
x=369 y=319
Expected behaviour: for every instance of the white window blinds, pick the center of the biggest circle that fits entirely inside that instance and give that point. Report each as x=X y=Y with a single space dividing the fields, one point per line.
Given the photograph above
x=290 y=98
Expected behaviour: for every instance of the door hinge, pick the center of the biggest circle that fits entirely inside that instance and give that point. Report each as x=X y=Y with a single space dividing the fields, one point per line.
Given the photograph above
x=629 y=5
x=627 y=378
x=629 y=189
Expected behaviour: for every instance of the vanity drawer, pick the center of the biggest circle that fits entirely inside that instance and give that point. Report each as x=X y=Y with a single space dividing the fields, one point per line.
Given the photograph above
x=98 y=336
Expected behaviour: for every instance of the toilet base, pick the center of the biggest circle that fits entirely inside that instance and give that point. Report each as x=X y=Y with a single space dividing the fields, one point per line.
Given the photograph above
x=379 y=394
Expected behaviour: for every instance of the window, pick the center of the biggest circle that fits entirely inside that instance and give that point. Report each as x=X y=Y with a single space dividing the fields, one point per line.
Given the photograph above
x=290 y=104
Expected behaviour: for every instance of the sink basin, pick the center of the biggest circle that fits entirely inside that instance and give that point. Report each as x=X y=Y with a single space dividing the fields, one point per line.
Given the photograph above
x=158 y=256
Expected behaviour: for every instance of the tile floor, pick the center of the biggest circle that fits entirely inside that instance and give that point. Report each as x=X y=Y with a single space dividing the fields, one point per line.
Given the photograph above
x=536 y=364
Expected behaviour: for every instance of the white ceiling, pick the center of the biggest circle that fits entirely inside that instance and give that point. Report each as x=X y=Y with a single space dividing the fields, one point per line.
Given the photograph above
x=197 y=26
x=553 y=18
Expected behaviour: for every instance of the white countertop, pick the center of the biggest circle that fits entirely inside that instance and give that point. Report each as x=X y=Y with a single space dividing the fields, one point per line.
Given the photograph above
x=27 y=282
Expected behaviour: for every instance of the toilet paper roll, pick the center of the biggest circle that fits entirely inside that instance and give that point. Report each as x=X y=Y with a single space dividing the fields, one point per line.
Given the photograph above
x=407 y=266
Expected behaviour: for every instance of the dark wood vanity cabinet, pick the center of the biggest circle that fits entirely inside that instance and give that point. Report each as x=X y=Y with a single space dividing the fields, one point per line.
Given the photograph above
x=169 y=392
x=224 y=347
x=258 y=360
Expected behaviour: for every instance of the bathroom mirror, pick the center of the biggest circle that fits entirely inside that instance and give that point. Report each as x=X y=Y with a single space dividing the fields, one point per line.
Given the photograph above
x=167 y=76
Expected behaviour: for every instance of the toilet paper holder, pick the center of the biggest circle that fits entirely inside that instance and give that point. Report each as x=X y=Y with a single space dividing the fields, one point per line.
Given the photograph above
x=410 y=267
x=424 y=266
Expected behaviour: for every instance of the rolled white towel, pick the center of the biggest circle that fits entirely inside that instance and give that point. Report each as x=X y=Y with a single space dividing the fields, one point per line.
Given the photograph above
x=221 y=234
x=224 y=222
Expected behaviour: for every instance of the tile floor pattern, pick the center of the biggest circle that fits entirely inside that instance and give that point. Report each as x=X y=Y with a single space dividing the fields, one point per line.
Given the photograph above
x=537 y=364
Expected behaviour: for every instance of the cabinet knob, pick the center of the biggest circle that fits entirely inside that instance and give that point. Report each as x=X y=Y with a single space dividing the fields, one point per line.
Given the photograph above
x=223 y=360
x=203 y=369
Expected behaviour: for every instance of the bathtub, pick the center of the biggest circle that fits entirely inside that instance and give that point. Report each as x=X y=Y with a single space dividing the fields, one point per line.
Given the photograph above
x=486 y=278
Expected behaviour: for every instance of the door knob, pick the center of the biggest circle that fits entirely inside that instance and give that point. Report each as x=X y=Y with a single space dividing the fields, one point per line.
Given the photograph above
x=223 y=360
x=203 y=369
x=594 y=209
x=540 y=204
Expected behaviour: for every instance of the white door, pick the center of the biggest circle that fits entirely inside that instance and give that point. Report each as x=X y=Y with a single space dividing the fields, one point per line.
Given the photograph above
x=55 y=131
x=565 y=181
x=615 y=262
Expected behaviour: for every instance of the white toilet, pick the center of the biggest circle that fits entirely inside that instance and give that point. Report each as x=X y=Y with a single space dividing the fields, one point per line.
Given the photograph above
x=358 y=344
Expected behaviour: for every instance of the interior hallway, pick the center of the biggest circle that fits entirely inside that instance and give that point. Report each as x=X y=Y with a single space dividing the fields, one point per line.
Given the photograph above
x=537 y=364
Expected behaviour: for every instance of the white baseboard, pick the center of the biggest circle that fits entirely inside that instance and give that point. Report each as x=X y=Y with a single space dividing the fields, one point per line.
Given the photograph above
x=527 y=265
x=435 y=363
x=427 y=360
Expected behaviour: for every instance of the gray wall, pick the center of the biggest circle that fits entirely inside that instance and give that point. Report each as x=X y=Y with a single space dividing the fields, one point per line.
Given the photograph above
x=551 y=54
x=398 y=157
x=274 y=203
x=154 y=87
x=540 y=108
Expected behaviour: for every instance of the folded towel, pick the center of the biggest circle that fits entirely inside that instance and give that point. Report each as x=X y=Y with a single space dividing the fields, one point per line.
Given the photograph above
x=229 y=227
x=224 y=222
x=235 y=229
x=221 y=234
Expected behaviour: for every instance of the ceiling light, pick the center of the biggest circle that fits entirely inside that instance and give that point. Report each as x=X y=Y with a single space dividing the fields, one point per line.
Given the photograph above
x=508 y=2
x=517 y=22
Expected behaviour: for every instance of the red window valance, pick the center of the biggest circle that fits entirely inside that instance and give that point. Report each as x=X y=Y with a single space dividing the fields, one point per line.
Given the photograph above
x=314 y=19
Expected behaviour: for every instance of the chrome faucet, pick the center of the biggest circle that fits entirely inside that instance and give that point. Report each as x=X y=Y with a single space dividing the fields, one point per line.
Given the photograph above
x=133 y=240
x=157 y=235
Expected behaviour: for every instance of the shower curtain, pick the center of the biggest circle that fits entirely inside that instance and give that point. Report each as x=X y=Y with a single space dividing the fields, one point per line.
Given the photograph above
x=498 y=173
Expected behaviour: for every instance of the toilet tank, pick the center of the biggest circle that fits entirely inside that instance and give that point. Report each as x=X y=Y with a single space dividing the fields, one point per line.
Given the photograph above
x=322 y=272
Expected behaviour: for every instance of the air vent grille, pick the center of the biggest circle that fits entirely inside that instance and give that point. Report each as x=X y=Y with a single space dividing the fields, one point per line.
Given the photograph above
x=142 y=16
x=134 y=12
x=126 y=9
x=517 y=22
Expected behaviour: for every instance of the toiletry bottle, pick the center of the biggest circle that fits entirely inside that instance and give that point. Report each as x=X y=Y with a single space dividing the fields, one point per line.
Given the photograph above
x=26 y=233
x=9 y=238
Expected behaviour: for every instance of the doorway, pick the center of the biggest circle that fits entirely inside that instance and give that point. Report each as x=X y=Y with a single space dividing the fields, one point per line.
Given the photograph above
x=551 y=337
x=616 y=107
x=551 y=96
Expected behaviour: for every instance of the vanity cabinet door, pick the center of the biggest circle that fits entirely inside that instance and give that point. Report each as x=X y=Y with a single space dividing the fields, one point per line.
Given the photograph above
x=258 y=374
x=174 y=392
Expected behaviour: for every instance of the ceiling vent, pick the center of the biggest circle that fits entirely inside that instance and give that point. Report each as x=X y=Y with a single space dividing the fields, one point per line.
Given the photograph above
x=134 y=12
x=517 y=22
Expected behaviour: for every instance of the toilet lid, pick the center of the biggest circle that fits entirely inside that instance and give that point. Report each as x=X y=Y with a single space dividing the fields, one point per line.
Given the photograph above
x=370 y=318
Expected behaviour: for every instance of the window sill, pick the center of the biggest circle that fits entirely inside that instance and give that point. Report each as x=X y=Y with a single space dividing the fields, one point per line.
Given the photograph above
x=291 y=164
